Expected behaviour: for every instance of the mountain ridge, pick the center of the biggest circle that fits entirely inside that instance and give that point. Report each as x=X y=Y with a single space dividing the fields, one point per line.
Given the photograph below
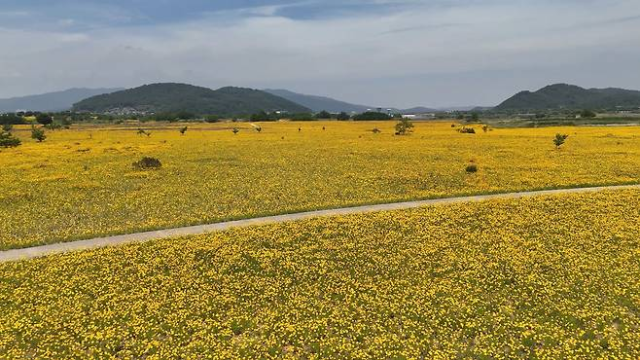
x=51 y=101
x=177 y=97
x=566 y=96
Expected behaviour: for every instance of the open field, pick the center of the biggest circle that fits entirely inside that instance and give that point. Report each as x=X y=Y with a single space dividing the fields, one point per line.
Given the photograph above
x=80 y=183
x=555 y=277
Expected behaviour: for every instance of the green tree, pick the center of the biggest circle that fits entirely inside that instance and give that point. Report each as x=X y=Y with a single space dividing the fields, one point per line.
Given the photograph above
x=560 y=139
x=323 y=115
x=404 y=126
x=38 y=134
x=7 y=140
x=44 y=119
x=183 y=130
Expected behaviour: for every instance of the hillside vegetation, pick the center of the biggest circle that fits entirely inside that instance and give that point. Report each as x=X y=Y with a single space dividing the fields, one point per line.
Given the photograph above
x=563 y=96
x=170 y=97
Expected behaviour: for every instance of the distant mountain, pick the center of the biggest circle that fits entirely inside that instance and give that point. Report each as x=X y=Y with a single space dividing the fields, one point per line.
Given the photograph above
x=172 y=97
x=318 y=103
x=54 y=101
x=418 y=110
x=564 y=96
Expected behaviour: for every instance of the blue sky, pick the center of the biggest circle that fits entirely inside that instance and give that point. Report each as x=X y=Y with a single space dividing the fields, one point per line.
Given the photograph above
x=376 y=52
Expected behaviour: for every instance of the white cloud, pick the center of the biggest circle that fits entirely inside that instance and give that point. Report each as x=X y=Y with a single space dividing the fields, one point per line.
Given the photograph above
x=257 y=47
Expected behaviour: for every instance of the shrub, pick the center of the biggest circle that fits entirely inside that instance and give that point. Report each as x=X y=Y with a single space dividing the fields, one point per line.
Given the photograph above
x=54 y=126
x=376 y=131
x=467 y=130
x=183 y=130
x=7 y=127
x=472 y=168
x=485 y=128
x=38 y=134
x=560 y=139
x=404 y=126
x=147 y=163
x=235 y=131
x=7 y=140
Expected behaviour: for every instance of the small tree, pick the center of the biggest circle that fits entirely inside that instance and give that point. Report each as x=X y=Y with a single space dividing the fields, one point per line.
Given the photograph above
x=235 y=131
x=376 y=131
x=38 y=134
x=7 y=140
x=183 y=130
x=404 y=126
x=485 y=128
x=7 y=127
x=560 y=140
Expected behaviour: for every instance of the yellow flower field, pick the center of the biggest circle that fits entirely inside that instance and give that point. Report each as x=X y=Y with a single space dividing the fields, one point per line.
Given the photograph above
x=547 y=278
x=80 y=183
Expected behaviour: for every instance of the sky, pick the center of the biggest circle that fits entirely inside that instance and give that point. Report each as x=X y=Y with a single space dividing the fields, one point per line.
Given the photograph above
x=399 y=53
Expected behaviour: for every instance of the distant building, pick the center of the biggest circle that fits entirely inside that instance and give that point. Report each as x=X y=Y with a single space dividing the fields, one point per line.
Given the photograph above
x=422 y=116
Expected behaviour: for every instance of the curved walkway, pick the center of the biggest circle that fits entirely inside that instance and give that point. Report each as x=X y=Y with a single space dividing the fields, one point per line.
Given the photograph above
x=39 y=251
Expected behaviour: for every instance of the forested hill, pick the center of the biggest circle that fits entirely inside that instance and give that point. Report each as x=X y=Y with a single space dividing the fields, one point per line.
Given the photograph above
x=564 y=96
x=172 y=97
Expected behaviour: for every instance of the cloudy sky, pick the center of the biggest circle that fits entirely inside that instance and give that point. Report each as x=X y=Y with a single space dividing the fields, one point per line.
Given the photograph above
x=375 y=52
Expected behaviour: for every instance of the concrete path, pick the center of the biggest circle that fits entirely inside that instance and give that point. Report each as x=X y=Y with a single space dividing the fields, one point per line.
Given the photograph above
x=39 y=251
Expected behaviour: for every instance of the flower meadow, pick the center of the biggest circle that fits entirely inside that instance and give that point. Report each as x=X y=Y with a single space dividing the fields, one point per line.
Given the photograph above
x=549 y=278
x=80 y=183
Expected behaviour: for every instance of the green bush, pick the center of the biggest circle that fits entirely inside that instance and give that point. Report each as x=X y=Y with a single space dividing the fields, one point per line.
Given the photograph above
x=147 y=163
x=472 y=168
x=560 y=139
x=7 y=140
x=38 y=134
x=404 y=126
